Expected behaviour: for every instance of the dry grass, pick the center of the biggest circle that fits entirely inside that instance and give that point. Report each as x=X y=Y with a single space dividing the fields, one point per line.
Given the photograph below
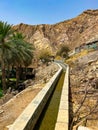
x=73 y=58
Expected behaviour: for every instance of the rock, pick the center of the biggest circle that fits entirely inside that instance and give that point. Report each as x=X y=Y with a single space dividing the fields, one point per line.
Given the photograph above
x=14 y=92
x=1 y=111
x=96 y=62
x=96 y=83
x=72 y=32
x=9 y=90
x=28 y=82
x=91 y=69
x=8 y=127
x=90 y=62
x=84 y=80
x=97 y=75
x=83 y=128
x=87 y=80
x=73 y=76
x=90 y=77
x=94 y=68
x=45 y=80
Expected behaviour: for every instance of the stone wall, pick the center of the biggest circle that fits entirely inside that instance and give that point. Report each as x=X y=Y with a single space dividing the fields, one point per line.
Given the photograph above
x=63 y=113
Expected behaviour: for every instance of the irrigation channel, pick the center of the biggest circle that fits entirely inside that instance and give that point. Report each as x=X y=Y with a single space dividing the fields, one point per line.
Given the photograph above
x=48 y=116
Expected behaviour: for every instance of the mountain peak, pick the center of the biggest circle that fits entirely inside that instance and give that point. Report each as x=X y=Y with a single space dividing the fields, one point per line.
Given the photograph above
x=91 y=12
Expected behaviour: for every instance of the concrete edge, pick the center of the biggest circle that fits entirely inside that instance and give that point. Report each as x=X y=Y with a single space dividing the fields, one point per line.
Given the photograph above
x=29 y=117
x=63 y=113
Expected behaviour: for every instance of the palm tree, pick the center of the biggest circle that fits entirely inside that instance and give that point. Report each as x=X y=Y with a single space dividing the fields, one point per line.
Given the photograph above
x=13 y=50
x=5 y=33
x=24 y=54
x=9 y=57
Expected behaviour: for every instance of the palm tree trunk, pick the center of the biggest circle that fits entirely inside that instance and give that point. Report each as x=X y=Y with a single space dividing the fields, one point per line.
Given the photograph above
x=3 y=77
x=25 y=73
x=8 y=74
x=17 y=76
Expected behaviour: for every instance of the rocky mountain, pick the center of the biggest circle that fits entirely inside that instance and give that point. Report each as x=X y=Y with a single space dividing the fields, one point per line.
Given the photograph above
x=73 y=32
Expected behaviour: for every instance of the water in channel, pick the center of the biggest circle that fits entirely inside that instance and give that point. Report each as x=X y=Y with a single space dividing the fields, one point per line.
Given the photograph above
x=48 y=117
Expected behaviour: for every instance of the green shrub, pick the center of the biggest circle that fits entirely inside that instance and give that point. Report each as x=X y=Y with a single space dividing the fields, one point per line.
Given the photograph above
x=1 y=93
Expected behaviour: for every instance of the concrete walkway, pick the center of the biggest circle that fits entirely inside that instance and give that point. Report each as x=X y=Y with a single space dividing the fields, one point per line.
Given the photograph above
x=63 y=113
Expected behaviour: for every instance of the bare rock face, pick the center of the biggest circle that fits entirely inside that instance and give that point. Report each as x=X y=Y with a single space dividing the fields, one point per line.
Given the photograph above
x=73 y=32
x=83 y=76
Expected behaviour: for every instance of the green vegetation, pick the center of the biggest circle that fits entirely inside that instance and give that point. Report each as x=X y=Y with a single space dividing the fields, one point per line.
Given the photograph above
x=1 y=92
x=63 y=51
x=12 y=79
x=23 y=55
x=45 y=56
x=15 y=52
x=5 y=32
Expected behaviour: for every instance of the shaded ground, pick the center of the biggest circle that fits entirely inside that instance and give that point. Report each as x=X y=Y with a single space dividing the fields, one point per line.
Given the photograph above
x=13 y=108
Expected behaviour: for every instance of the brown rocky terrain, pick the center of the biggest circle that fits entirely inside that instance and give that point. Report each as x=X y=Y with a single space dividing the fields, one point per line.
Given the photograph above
x=84 y=90
x=73 y=32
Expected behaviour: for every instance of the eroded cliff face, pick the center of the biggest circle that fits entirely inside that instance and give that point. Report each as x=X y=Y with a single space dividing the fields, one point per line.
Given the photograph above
x=73 y=32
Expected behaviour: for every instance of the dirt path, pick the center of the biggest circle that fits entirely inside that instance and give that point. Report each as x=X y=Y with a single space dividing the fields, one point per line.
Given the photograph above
x=11 y=110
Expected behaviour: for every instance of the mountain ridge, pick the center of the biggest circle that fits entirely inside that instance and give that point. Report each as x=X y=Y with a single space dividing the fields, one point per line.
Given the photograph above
x=72 y=32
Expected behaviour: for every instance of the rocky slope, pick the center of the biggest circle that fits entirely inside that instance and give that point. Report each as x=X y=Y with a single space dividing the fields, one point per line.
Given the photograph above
x=84 y=91
x=71 y=32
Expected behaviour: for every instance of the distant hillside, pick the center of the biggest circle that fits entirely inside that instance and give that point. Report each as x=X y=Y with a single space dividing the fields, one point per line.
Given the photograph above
x=73 y=32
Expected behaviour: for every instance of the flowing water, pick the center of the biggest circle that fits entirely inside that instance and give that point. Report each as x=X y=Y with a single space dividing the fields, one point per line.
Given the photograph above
x=48 y=117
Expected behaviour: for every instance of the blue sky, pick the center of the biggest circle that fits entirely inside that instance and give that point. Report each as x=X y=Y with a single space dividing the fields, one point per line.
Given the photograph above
x=43 y=11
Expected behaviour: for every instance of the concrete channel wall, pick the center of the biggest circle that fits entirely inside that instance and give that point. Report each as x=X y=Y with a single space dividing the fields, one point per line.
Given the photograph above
x=29 y=117
x=63 y=113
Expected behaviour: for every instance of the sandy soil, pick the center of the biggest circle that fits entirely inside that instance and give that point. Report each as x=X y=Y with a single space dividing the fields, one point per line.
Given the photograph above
x=12 y=109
